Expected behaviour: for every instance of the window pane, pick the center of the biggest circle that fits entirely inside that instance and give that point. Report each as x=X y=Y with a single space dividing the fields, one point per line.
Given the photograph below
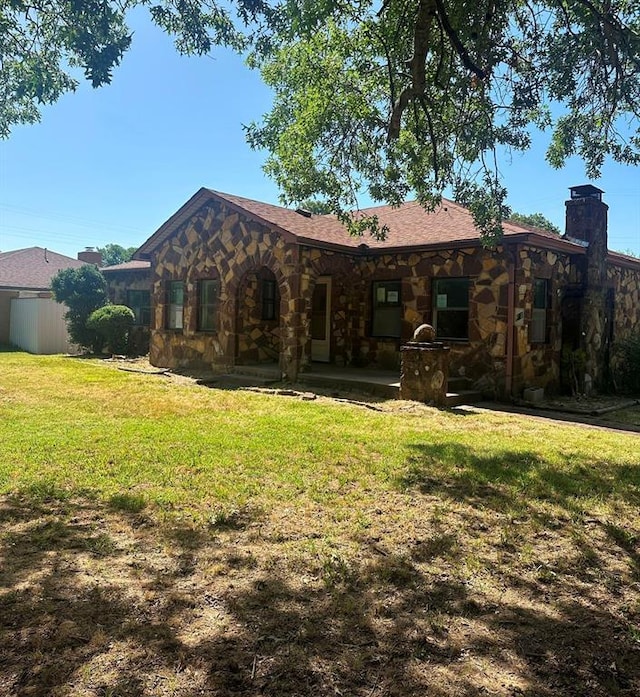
x=208 y=305
x=140 y=301
x=387 y=309
x=269 y=296
x=538 y=328
x=455 y=290
x=451 y=308
x=540 y=293
x=174 y=309
x=453 y=324
x=176 y=293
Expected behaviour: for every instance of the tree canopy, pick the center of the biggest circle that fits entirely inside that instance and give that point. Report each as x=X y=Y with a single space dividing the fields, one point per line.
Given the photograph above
x=115 y=254
x=382 y=100
x=536 y=220
x=82 y=290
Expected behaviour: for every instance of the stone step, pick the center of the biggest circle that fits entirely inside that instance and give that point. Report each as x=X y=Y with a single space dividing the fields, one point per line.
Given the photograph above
x=455 y=399
x=457 y=383
x=267 y=371
x=351 y=383
x=234 y=381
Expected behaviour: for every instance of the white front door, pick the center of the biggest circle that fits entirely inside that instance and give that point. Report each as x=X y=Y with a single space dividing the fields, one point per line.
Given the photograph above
x=321 y=320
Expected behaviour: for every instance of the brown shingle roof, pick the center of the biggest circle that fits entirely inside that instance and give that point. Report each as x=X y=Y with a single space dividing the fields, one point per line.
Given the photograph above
x=32 y=268
x=410 y=225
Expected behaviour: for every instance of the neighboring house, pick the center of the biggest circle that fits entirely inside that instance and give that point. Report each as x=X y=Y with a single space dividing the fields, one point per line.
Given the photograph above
x=236 y=281
x=29 y=317
x=129 y=284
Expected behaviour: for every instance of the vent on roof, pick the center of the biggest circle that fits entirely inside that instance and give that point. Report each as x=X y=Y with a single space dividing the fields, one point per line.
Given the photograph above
x=304 y=212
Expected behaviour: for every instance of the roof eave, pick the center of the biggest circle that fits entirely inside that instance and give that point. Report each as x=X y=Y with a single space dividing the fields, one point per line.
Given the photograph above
x=556 y=245
x=623 y=260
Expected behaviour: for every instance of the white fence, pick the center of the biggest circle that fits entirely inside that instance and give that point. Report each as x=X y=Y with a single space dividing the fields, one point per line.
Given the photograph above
x=37 y=325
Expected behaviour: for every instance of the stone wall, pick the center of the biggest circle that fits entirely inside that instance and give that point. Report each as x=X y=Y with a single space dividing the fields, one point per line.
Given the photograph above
x=483 y=356
x=119 y=282
x=258 y=339
x=625 y=282
x=538 y=364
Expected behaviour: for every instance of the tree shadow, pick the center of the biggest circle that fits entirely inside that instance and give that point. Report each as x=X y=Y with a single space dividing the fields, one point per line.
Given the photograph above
x=514 y=479
x=91 y=601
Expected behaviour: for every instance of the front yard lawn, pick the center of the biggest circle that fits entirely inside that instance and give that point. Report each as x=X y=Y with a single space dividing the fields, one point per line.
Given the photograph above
x=172 y=540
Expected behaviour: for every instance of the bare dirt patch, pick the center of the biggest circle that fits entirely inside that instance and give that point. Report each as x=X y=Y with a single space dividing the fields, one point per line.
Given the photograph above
x=454 y=600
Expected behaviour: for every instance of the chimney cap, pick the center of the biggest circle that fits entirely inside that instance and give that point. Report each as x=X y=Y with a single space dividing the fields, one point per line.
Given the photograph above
x=586 y=191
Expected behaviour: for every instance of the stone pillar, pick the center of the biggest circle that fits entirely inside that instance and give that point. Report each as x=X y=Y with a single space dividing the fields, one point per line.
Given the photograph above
x=424 y=368
x=424 y=372
x=587 y=221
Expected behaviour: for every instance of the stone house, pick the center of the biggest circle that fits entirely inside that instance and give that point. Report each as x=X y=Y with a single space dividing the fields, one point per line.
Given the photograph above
x=236 y=281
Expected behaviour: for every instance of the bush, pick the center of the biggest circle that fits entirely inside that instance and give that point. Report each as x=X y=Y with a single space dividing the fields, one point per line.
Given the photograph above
x=112 y=324
x=626 y=364
x=82 y=290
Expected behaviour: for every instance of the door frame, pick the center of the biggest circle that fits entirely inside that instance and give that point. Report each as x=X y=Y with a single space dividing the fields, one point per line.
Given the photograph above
x=321 y=348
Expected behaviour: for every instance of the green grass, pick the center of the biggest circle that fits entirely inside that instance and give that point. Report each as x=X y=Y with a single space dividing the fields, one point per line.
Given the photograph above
x=71 y=426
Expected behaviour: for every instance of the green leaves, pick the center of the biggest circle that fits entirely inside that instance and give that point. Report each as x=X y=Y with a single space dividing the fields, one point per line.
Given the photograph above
x=82 y=290
x=47 y=46
x=384 y=100
x=412 y=98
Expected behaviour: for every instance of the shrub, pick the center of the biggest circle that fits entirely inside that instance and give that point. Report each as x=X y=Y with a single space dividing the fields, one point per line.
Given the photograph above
x=112 y=324
x=626 y=364
x=82 y=290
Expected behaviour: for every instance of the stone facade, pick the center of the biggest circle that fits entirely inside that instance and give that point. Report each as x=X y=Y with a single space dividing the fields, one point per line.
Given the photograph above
x=218 y=244
x=424 y=372
x=552 y=285
x=624 y=280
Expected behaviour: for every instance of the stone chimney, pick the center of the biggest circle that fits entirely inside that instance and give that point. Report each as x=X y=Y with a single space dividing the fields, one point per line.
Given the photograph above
x=90 y=256
x=586 y=223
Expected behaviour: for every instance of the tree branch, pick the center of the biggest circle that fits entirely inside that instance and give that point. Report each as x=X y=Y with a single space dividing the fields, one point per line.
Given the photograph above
x=457 y=44
x=417 y=64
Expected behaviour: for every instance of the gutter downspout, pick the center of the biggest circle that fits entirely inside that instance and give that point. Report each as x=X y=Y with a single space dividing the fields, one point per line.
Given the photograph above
x=511 y=311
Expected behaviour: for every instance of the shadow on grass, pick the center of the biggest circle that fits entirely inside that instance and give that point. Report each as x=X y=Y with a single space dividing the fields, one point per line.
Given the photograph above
x=515 y=480
x=90 y=602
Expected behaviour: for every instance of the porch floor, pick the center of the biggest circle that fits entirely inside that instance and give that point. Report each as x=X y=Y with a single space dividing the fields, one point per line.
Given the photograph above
x=381 y=383
x=384 y=384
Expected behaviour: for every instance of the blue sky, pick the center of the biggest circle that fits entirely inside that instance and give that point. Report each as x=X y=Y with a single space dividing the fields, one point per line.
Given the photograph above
x=111 y=165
